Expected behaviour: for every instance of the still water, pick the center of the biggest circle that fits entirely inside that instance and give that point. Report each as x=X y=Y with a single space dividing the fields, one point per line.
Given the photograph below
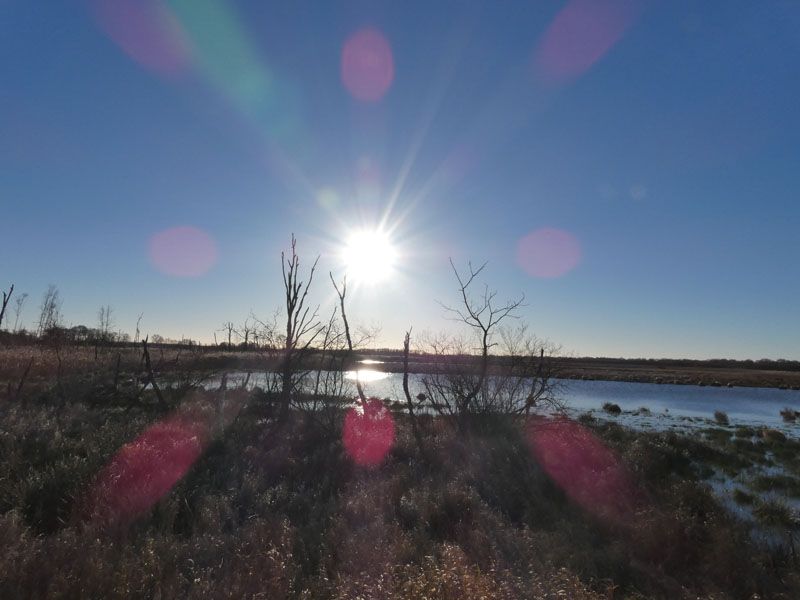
x=682 y=406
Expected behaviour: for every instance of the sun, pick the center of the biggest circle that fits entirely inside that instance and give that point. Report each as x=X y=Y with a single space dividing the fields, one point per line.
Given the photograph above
x=369 y=256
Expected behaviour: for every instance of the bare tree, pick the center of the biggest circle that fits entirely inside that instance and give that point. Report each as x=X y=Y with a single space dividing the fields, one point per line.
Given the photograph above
x=265 y=333
x=529 y=369
x=105 y=323
x=511 y=376
x=302 y=325
x=328 y=385
x=138 y=330
x=245 y=332
x=409 y=402
x=6 y=298
x=151 y=378
x=19 y=303
x=483 y=316
x=50 y=311
x=342 y=293
x=230 y=329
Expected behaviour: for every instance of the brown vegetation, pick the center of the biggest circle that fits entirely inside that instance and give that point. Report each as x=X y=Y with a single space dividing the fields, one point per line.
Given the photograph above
x=285 y=512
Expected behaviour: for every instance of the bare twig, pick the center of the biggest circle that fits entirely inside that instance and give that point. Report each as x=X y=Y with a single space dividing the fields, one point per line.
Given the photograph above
x=151 y=378
x=22 y=379
x=6 y=298
x=342 y=293
x=409 y=402
x=116 y=372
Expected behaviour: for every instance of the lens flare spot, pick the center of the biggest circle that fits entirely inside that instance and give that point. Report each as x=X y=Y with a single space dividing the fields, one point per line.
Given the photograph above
x=548 y=252
x=367 y=65
x=368 y=433
x=183 y=251
x=146 y=31
x=588 y=472
x=580 y=35
x=328 y=199
x=146 y=469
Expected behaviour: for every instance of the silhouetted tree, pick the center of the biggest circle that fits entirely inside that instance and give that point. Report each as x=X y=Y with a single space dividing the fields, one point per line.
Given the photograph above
x=138 y=331
x=524 y=368
x=105 y=323
x=244 y=333
x=302 y=324
x=342 y=293
x=50 y=311
x=19 y=302
x=229 y=328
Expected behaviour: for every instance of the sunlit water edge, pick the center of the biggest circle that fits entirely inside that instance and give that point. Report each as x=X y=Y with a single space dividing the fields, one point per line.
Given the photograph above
x=670 y=406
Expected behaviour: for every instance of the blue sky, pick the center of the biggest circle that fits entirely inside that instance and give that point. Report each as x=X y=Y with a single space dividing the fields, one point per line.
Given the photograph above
x=659 y=139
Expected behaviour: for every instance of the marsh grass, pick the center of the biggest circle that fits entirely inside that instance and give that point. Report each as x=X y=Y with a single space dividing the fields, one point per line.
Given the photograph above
x=782 y=483
x=275 y=512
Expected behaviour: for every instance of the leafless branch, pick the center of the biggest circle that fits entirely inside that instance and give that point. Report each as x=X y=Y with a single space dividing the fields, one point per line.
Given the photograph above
x=342 y=293
x=150 y=376
x=6 y=298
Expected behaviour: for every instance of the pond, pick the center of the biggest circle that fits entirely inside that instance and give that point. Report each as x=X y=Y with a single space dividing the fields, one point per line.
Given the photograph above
x=668 y=406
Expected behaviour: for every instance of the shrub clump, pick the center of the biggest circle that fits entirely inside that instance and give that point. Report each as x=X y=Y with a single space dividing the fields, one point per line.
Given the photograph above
x=721 y=418
x=743 y=498
x=773 y=436
x=612 y=408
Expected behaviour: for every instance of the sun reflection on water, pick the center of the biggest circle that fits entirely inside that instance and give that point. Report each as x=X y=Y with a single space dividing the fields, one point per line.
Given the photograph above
x=365 y=375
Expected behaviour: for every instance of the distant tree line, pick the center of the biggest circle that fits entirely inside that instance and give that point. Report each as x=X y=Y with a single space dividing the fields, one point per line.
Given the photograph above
x=49 y=327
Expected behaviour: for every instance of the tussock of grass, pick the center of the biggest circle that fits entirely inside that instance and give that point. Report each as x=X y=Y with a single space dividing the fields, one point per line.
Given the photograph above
x=721 y=418
x=773 y=436
x=743 y=431
x=783 y=483
x=776 y=514
x=718 y=435
x=743 y=498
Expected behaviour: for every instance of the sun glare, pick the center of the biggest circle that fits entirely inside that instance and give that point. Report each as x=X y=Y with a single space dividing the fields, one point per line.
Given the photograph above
x=369 y=256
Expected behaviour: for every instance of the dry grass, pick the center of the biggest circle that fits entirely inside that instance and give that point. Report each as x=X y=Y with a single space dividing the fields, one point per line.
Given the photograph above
x=268 y=512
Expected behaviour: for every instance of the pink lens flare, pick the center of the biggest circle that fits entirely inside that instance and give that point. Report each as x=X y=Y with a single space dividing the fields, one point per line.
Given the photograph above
x=146 y=31
x=580 y=35
x=183 y=251
x=368 y=433
x=588 y=472
x=548 y=252
x=367 y=65
x=146 y=469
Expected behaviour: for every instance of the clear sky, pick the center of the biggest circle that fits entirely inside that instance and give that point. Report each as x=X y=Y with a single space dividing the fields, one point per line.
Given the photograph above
x=632 y=167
